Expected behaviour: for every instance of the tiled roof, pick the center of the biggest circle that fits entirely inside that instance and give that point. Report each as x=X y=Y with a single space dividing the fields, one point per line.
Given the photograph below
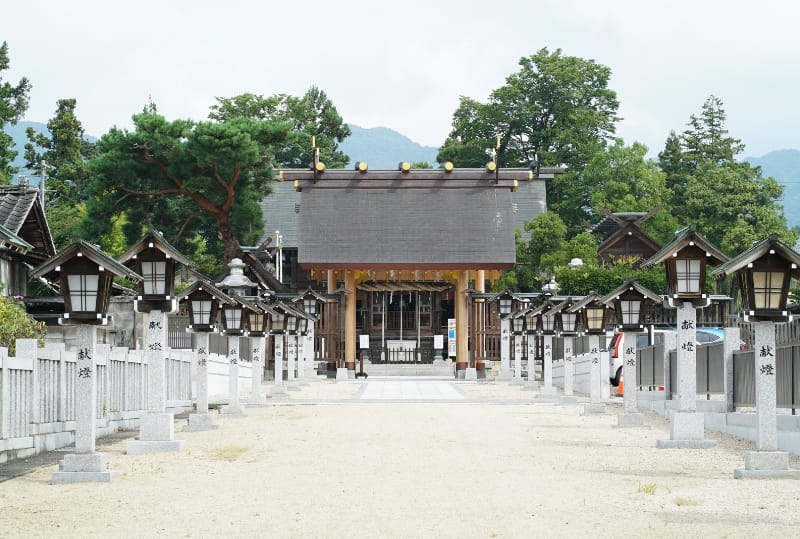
x=15 y=204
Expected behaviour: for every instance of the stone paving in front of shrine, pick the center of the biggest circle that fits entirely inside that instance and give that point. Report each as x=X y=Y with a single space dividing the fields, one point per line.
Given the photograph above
x=410 y=390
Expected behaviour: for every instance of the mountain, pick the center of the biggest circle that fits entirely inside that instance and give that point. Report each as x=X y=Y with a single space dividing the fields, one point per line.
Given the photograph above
x=17 y=133
x=384 y=148
x=784 y=166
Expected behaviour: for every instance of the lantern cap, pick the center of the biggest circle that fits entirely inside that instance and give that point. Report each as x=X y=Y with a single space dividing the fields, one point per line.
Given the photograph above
x=759 y=249
x=50 y=270
x=589 y=300
x=683 y=238
x=205 y=285
x=158 y=242
x=646 y=293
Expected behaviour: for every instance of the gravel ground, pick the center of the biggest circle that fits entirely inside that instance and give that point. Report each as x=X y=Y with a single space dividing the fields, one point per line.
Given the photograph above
x=494 y=465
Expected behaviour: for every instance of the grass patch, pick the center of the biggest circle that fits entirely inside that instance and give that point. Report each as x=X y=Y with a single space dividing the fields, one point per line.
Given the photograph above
x=685 y=502
x=647 y=488
x=229 y=452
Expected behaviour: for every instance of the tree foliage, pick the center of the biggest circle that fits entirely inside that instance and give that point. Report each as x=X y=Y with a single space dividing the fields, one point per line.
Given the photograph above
x=15 y=324
x=729 y=202
x=13 y=104
x=312 y=115
x=62 y=156
x=186 y=179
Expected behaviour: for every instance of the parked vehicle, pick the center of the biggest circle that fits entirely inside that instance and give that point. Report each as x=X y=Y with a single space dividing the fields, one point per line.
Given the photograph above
x=703 y=336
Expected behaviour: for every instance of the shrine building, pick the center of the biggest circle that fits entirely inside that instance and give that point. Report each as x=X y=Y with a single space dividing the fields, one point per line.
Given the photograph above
x=402 y=249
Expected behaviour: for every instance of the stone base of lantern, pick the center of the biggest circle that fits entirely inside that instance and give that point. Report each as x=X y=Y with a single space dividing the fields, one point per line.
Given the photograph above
x=156 y=435
x=629 y=420
x=83 y=468
x=597 y=408
x=766 y=465
x=198 y=422
x=687 y=430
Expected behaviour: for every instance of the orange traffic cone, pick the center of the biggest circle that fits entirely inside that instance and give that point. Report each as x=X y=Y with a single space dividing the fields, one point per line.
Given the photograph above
x=621 y=386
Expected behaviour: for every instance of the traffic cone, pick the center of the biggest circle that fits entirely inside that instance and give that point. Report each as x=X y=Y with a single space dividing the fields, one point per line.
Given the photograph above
x=621 y=386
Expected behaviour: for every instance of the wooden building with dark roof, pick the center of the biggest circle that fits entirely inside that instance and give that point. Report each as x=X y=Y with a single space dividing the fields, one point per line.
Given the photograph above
x=621 y=236
x=403 y=246
x=25 y=240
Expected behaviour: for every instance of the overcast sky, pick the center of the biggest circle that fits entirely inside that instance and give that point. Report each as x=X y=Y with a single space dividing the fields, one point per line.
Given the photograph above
x=404 y=64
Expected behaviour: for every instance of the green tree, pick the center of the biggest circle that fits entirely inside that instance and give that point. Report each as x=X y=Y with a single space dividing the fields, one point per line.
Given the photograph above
x=556 y=110
x=185 y=178
x=312 y=115
x=64 y=152
x=730 y=202
x=13 y=104
x=621 y=179
x=15 y=324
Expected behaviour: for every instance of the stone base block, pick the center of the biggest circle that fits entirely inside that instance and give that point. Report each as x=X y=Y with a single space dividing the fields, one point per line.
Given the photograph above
x=83 y=462
x=685 y=444
x=63 y=478
x=597 y=408
x=470 y=373
x=257 y=399
x=505 y=374
x=630 y=420
x=199 y=422
x=568 y=399
x=341 y=374
x=766 y=465
x=230 y=410
x=517 y=381
x=278 y=391
x=140 y=447
x=687 y=426
x=530 y=385
x=157 y=427
x=548 y=391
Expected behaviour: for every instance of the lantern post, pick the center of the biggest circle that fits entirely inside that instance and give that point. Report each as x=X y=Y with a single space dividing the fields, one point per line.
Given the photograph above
x=591 y=314
x=505 y=306
x=258 y=324
x=531 y=327
x=277 y=330
x=686 y=259
x=547 y=329
x=203 y=301
x=517 y=330
x=630 y=301
x=84 y=275
x=764 y=272
x=156 y=260
x=234 y=324
x=567 y=327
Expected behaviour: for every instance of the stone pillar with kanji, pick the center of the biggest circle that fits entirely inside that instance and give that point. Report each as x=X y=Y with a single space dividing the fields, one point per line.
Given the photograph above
x=157 y=426
x=85 y=464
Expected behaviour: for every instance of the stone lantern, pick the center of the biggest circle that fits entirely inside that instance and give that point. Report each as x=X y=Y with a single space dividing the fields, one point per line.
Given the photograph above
x=686 y=259
x=203 y=300
x=155 y=259
x=764 y=272
x=630 y=302
x=592 y=314
x=84 y=275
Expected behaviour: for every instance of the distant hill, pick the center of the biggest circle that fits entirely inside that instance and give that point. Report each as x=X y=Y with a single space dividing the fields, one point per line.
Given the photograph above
x=784 y=166
x=384 y=148
x=17 y=133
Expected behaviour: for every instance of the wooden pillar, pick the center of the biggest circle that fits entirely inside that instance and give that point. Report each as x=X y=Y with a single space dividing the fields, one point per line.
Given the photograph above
x=462 y=352
x=350 y=320
x=330 y=322
x=480 y=323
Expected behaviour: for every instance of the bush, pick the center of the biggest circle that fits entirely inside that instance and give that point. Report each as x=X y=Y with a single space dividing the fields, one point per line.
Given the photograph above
x=16 y=323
